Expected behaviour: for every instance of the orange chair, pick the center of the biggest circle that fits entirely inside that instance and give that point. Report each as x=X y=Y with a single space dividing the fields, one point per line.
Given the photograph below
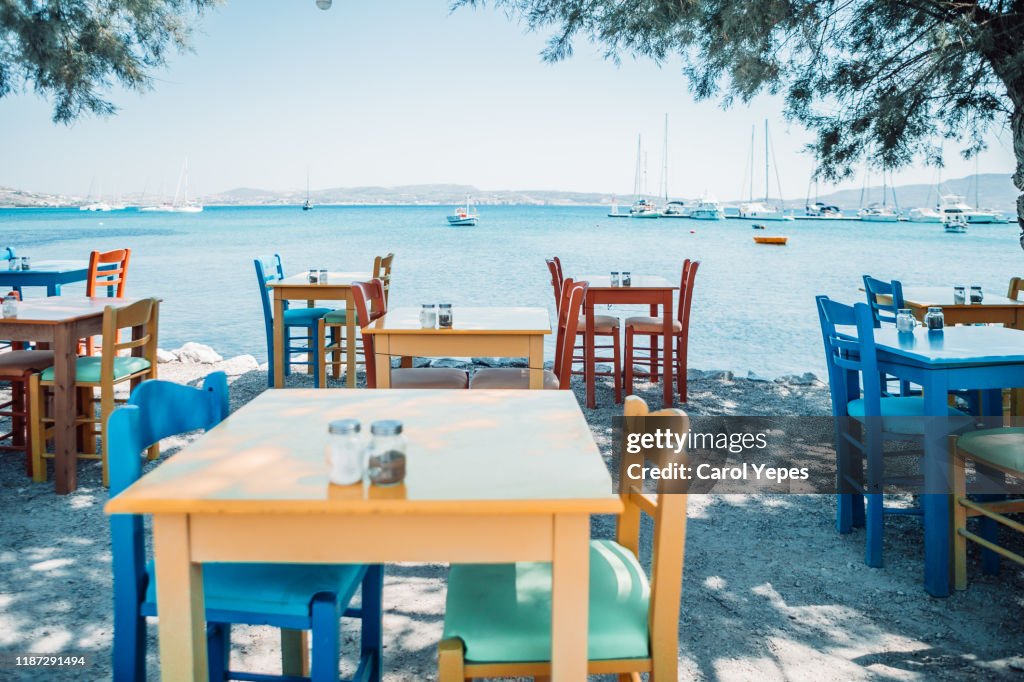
x=652 y=326
x=573 y=294
x=108 y=274
x=604 y=326
x=371 y=305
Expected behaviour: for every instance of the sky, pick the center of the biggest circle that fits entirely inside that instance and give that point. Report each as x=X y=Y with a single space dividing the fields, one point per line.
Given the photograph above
x=406 y=92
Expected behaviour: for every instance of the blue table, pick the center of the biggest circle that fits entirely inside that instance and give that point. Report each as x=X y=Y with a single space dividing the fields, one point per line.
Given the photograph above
x=983 y=358
x=51 y=274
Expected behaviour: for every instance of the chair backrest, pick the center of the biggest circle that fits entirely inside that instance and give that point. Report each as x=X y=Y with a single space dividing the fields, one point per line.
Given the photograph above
x=382 y=271
x=155 y=410
x=7 y=253
x=689 y=274
x=569 y=308
x=141 y=317
x=108 y=270
x=371 y=304
x=556 y=278
x=1016 y=286
x=268 y=270
x=667 y=508
x=850 y=354
x=881 y=311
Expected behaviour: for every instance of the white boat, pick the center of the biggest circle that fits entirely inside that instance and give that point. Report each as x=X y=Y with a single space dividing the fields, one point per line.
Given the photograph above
x=643 y=208
x=876 y=213
x=677 y=209
x=708 y=209
x=758 y=211
x=822 y=210
x=955 y=224
x=925 y=215
x=463 y=216
x=182 y=204
x=95 y=206
x=953 y=204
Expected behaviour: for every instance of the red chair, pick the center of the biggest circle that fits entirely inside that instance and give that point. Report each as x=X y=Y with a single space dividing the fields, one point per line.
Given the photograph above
x=604 y=325
x=573 y=294
x=108 y=275
x=652 y=326
x=371 y=304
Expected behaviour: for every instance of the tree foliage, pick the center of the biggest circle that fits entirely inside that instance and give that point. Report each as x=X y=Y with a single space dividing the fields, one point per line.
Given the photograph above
x=74 y=51
x=876 y=80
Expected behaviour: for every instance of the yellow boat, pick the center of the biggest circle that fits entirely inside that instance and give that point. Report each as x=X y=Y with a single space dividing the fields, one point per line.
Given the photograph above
x=780 y=241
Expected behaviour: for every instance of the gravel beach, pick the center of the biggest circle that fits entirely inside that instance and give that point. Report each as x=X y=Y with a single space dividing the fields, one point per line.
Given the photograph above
x=770 y=591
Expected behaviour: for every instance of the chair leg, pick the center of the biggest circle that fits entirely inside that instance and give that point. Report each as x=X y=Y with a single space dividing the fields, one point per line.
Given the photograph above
x=37 y=403
x=875 y=527
x=450 y=661
x=628 y=357
x=372 y=629
x=326 y=617
x=654 y=358
x=617 y=363
x=321 y=353
x=21 y=420
x=218 y=650
x=129 y=641
x=959 y=518
x=681 y=368
x=336 y=335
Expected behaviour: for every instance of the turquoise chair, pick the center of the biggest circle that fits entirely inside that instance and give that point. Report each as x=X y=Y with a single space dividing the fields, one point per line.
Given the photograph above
x=865 y=420
x=306 y=319
x=292 y=596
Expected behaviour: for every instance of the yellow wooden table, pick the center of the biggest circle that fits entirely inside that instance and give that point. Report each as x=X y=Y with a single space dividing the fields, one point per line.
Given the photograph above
x=476 y=332
x=994 y=308
x=298 y=288
x=492 y=476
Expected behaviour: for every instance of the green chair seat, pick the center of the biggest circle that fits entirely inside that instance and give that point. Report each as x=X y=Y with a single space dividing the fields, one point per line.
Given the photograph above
x=905 y=415
x=87 y=370
x=502 y=612
x=304 y=317
x=339 y=317
x=1001 y=447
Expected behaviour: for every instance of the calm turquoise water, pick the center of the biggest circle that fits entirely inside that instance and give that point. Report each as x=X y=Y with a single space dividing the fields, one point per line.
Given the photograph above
x=753 y=306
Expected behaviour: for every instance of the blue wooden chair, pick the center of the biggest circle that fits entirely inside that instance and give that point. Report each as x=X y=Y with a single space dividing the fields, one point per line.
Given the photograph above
x=865 y=420
x=884 y=313
x=306 y=319
x=292 y=596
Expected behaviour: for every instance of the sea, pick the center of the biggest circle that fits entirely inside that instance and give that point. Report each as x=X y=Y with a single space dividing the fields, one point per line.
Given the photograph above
x=753 y=305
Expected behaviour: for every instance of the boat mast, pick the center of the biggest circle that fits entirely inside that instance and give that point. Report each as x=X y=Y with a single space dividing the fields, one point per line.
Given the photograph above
x=766 y=161
x=636 y=176
x=664 y=162
x=751 y=163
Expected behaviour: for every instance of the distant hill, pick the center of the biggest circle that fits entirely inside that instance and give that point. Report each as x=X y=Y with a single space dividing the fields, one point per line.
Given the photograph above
x=17 y=198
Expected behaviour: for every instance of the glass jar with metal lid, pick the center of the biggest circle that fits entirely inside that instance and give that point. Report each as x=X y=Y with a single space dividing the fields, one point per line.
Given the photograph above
x=385 y=461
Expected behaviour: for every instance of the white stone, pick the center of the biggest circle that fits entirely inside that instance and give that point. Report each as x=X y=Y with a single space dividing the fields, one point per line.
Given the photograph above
x=165 y=356
x=240 y=364
x=197 y=353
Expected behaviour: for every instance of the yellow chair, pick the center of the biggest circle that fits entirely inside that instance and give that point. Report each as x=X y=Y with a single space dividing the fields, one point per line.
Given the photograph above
x=104 y=372
x=382 y=271
x=1003 y=451
x=1016 y=287
x=633 y=621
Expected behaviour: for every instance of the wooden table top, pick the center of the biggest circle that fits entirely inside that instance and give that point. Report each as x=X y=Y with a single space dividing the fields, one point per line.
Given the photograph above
x=923 y=297
x=467 y=320
x=637 y=282
x=59 y=309
x=334 y=278
x=49 y=267
x=468 y=452
x=955 y=346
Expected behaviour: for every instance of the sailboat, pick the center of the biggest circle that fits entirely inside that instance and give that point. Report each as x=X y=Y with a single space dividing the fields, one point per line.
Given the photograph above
x=760 y=210
x=98 y=204
x=641 y=208
x=463 y=217
x=183 y=204
x=307 y=206
x=880 y=213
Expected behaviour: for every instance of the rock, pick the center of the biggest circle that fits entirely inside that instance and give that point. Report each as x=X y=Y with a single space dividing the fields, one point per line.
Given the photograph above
x=240 y=364
x=516 y=362
x=805 y=379
x=449 y=362
x=197 y=353
x=752 y=376
x=489 y=362
x=163 y=356
x=421 y=362
x=720 y=375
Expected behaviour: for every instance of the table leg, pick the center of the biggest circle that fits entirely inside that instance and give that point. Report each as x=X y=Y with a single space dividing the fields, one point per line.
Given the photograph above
x=935 y=501
x=382 y=359
x=53 y=289
x=280 y=352
x=65 y=463
x=295 y=652
x=179 y=597
x=536 y=362
x=666 y=329
x=570 y=577
x=588 y=353
x=350 y=340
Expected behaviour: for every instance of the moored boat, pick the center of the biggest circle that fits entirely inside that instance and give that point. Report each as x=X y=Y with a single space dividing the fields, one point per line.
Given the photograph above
x=876 y=213
x=925 y=215
x=775 y=240
x=463 y=216
x=953 y=204
x=708 y=209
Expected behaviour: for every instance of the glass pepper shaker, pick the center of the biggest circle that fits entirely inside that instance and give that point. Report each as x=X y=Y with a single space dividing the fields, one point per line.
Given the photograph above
x=444 y=315
x=314 y=276
x=10 y=306
x=345 y=451
x=26 y=264
x=615 y=279
x=385 y=462
x=976 y=294
x=627 y=279
x=934 y=320
x=905 y=321
x=428 y=316
x=959 y=295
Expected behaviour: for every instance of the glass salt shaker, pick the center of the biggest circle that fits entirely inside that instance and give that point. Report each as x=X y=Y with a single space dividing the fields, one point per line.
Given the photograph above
x=385 y=462
x=905 y=321
x=959 y=294
x=976 y=294
x=10 y=306
x=615 y=279
x=627 y=279
x=934 y=320
x=14 y=264
x=323 y=277
x=345 y=451
x=314 y=276
x=444 y=315
x=428 y=316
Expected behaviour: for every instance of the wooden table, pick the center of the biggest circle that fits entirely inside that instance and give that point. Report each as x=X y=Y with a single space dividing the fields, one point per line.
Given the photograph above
x=493 y=476
x=476 y=332
x=994 y=309
x=644 y=289
x=977 y=358
x=298 y=288
x=61 y=321
x=50 y=274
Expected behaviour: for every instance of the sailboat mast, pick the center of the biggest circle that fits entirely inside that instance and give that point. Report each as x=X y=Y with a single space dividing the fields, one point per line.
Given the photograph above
x=977 y=184
x=664 y=162
x=636 y=176
x=751 y=163
x=766 y=160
